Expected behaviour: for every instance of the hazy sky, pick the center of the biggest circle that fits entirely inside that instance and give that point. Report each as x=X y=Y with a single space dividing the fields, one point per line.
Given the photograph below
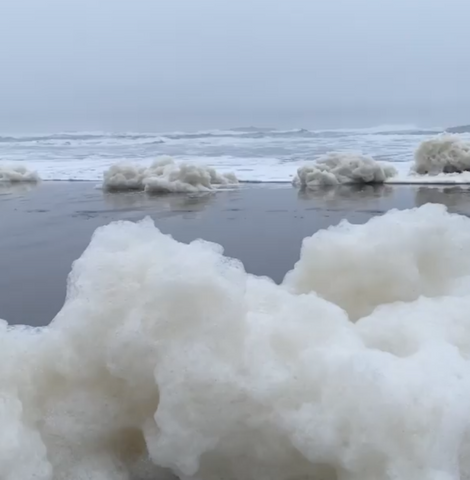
x=133 y=64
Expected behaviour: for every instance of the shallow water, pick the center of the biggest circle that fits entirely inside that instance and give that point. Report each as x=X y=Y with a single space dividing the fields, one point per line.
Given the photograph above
x=46 y=227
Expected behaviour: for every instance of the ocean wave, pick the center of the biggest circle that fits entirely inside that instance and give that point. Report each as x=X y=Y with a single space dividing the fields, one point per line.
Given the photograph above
x=237 y=132
x=391 y=129
x=79 y=139
x=74 y=136
x=254 y=133
x=459 y=129
x=165 y=176
x=168 y=357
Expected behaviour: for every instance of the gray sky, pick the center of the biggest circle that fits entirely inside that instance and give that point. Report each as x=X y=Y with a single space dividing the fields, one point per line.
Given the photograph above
x=175 y=64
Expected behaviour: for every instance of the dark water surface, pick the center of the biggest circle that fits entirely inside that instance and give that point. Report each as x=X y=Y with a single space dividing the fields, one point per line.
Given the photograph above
x=44 y=229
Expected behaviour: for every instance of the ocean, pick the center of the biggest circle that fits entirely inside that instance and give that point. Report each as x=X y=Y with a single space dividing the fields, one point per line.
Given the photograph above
x=253 y=154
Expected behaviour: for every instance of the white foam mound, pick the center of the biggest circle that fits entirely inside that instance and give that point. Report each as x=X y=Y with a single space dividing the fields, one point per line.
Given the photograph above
x=343 y=168
x=443 y=154
x=169 y=356
x=398 y=257
x=124 y=176
x=17 y=174
x=166 y=176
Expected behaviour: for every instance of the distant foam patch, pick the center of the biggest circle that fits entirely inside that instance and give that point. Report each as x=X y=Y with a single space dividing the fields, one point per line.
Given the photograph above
x=17 y=174
x=169 y=357
x=166 y=176
x=341 y=169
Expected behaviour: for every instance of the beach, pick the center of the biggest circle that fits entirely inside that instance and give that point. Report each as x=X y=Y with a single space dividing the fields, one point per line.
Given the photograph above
x=234 y=240
x=45 y=228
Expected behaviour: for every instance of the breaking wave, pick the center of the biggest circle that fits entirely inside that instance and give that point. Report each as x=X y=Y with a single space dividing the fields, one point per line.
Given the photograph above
x=168 y=357
x=165 y=176
x=241 y=132
x=17 y=174
x=343 y=168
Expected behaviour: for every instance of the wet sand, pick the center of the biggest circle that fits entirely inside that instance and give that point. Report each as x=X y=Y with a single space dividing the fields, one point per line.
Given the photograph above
x=43 y=229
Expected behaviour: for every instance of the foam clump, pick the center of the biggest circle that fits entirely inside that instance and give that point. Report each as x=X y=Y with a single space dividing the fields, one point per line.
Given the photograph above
x=398 y=257
x=444 y=154
x=169 y=358
x=166 y=176
x=124 y=176
x=17 y=174
x=341 y=169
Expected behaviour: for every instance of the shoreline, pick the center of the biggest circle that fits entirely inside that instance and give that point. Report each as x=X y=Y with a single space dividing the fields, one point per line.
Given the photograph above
x=428 y=180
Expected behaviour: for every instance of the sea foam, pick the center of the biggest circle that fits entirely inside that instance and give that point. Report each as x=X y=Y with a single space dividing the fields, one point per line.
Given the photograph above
x=443 y=154
x=343 y=168
x=17 y=174
x=165 y=176
x=167 y=358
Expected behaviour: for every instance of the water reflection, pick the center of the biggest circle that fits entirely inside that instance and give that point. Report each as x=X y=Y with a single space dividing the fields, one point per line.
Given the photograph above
x=7 y=188
x=346 y=196
x=171 y=203
x=455 y=197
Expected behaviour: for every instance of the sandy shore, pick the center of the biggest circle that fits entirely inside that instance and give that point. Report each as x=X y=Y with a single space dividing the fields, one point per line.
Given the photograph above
x=45 y=228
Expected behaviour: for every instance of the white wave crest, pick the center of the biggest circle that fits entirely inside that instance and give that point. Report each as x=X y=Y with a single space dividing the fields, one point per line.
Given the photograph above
x=343 y=168
x=17 y=174
x=166 y=176
x=443 y=154
x=167 y=355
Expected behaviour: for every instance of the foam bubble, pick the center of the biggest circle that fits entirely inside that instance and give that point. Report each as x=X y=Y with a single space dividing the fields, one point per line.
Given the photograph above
x=17 y=174
x=343 y=168
x=444 y=154
x=165 y=176
x=168 y=357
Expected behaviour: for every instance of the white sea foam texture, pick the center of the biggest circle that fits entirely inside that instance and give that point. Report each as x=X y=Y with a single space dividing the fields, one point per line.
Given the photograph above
x=443 y=154
x=166 y=176
x=17 y=174
x=124 y=176
x=343 y=168
x=169 y=356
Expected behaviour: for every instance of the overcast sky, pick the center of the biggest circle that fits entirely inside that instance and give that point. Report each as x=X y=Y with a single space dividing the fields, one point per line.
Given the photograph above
x=136 y=64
